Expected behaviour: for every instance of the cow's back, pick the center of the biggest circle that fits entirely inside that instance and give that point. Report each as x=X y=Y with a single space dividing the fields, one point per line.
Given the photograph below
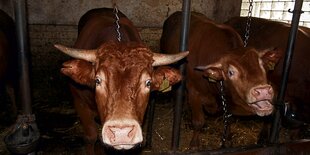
x=99 y=25
x=95 y=13
x=208 y=42
x=264 y=34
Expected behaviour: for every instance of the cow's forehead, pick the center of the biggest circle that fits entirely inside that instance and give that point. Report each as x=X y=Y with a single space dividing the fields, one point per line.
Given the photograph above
x=125 y=53
x=118 y=58
x=249 y=57
x=248 y=61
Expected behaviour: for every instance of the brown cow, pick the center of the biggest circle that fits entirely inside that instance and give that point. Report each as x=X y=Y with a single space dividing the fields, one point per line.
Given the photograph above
x=266 y=33
x=218 y=51
x=114 y=79
x=8 y=59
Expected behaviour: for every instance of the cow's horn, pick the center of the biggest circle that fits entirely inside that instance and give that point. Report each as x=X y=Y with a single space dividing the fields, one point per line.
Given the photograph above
x=88 y=55
x=166 y=59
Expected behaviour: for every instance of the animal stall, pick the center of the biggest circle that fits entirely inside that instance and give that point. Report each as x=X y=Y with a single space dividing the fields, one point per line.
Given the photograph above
x=48 y=105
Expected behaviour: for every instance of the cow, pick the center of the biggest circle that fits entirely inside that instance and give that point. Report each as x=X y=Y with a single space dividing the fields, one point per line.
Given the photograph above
x=113 y=79
x=8 y=62
x=266 y=33
x=217 y=54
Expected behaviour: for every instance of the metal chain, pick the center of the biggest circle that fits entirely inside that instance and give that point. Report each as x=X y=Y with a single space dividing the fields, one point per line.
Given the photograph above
x=226 y=115
x=248 y=24
x=117 y=21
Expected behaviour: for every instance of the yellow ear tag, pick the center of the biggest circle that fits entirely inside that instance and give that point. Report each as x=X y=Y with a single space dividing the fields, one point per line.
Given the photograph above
x=271 y=66
x=165 y=86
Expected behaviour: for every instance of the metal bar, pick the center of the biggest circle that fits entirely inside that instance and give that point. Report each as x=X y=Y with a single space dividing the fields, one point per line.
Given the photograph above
x=23 y=64
x=180 y=91
x=24 y=135
x=150 y=121
x=274 y=136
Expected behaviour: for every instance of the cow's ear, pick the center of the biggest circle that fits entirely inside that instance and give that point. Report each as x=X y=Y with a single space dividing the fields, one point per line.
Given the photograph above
x=80 y=71
x=271 y=57
x=164 y=77
x=213 y=72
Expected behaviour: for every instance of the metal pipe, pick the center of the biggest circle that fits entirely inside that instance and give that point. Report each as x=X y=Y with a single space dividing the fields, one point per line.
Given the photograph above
x=23 y=63
x=23 y=137
x=274 y=136
x=150 y=121
x=180 y=91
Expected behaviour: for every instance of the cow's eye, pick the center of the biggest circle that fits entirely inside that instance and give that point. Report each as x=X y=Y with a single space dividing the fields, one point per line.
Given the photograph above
x=230 y=73
x=98 y=80
x=148 y=83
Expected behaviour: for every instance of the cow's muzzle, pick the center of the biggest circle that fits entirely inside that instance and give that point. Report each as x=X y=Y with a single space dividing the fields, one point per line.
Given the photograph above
x=122 y=134
x=262 y=108
x=261 y=100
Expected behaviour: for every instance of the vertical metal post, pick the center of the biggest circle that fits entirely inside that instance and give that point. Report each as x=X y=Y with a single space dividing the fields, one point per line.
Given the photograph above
x=24 y=136
x=150 y=118
x=180 y=91
x=274 y=136
x=23 y=63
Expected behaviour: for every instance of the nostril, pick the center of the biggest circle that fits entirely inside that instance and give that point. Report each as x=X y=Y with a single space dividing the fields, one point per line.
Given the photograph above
x=263 y=92
x=122 y=133
x=270 y=90
x=131 y=133
x=256 y=92
x=110 y=134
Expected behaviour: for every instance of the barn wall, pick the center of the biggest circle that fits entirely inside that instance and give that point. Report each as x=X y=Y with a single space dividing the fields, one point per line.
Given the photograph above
x=55 y=21
x=144 y=13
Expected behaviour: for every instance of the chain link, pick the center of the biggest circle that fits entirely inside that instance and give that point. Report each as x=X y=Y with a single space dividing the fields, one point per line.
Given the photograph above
x=226 y=115
x=248 y=24
x=117 y=21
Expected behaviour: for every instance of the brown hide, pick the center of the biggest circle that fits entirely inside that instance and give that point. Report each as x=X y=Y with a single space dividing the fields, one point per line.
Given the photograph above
x=97 y=13
x=116 y=82
x=218 y=51
x=265 y=33
x=99 y=26
x=8 y=59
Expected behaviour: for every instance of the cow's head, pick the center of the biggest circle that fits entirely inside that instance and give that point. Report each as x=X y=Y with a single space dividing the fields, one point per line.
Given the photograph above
x=122 y=76
x=245 y=78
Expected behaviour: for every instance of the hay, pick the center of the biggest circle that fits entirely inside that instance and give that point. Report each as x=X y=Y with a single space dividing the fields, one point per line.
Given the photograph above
x=62 y=133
